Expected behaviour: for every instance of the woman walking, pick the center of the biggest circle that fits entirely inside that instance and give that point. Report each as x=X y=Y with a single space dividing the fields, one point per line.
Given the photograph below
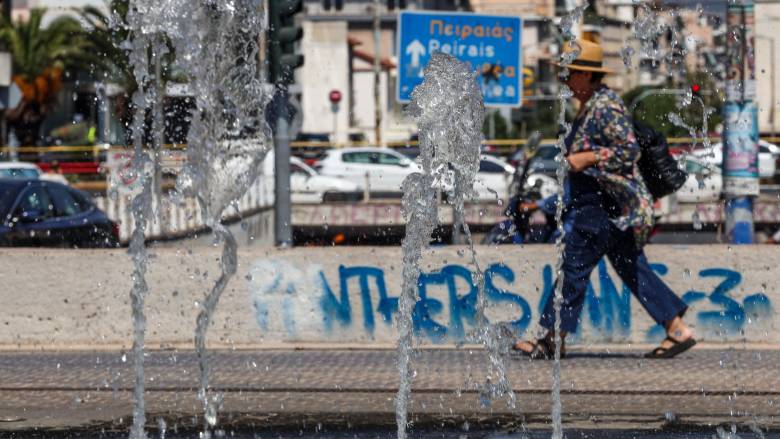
x=608 y=211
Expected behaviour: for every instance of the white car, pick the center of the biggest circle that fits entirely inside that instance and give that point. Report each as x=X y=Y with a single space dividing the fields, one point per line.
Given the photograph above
x=704 y=183
x=767 y=157
x=28 y=170
x=308 y=186
x=381 y=168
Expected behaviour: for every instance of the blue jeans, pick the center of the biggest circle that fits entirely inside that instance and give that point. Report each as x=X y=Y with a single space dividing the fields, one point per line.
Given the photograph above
x=585 y=246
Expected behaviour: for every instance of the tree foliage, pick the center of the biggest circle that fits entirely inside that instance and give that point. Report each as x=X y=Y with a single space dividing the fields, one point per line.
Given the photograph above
x=40 y=57
x=655 y=109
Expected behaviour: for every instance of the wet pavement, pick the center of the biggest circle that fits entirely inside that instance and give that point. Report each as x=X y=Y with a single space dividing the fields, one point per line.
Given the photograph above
x=353 y=390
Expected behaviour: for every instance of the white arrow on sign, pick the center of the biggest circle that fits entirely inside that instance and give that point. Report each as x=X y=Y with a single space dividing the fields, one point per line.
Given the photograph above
x=416 y=50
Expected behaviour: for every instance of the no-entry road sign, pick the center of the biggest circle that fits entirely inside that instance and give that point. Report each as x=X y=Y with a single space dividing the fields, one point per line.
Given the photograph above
x=490 y=43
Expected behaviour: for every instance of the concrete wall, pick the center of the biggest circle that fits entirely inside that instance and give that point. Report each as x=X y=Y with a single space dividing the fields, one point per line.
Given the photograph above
x=766 y=37
x=348 y=295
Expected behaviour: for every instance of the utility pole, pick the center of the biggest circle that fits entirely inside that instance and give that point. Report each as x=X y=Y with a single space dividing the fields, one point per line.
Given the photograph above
x=377 y=75
x=773 y=103
x=7 y=7
x=283 y=60
x=740 y=117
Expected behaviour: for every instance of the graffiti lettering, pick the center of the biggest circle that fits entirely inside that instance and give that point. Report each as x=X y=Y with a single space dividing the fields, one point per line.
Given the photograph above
x=446 y=309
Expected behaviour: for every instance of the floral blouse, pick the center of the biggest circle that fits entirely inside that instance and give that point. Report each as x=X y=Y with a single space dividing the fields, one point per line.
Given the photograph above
x=607 y=131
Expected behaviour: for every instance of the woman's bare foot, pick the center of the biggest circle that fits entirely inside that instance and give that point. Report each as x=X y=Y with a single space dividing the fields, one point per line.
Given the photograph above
x=678 y=331
x=524 y=346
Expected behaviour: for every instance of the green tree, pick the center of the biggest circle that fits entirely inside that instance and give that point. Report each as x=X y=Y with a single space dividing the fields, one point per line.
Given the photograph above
x=40 y=58
x=108 y=36
x=112 y=63
x=655 y=109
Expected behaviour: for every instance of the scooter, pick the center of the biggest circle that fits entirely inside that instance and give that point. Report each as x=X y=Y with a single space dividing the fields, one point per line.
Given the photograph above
x=520 y=226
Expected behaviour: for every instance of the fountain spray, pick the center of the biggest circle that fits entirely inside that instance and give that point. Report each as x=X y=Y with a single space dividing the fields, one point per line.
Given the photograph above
x=449 y=112
x=216 y=44
x=564 y=94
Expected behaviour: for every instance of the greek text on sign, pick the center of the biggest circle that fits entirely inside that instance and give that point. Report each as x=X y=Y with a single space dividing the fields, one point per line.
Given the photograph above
x=490 y=43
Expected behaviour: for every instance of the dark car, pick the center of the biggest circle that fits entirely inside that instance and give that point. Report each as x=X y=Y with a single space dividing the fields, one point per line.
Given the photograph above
x=48 y=214
x=543 y=161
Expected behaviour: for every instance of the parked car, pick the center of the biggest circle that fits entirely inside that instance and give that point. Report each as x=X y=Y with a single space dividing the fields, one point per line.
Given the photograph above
x=44 y=213
x=768 y=155
x=22 y=170
x=28 y=170
x=382 y=168
x=307 y=186
x=704 y=183
x=493 y=179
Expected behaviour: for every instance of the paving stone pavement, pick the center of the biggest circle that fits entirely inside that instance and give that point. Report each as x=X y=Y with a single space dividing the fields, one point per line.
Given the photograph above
x=357 y=387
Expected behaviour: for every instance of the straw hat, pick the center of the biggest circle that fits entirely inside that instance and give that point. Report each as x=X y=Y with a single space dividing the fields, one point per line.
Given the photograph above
x=590 y=58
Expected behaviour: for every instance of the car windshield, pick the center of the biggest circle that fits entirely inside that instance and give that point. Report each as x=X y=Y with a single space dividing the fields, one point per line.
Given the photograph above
x=19 y=173
x=693 y=167
x=547 y=152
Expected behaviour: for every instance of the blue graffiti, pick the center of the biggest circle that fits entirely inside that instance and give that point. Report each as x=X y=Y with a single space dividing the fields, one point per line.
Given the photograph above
x=730 y=316
x=461 y=307
x=437 y=317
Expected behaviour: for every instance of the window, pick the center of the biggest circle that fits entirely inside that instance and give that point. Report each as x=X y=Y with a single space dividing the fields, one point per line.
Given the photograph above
x=389 y=159
x=547 y=152
x=692 y=167
x=19 y=173
x=65 y=204
x=490 y=167
x=356 y=157
x=296 y=169
x=35 y=200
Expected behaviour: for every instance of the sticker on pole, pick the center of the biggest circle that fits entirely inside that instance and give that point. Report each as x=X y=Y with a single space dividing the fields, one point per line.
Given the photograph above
x=490 y=43
x=740 y=160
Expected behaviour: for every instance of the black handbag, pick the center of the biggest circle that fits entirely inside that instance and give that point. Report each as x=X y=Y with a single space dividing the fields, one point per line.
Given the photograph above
x=661 y=172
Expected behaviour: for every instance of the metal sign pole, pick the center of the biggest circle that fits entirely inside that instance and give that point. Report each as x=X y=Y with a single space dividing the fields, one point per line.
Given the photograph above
x=283 y=209
x=377 y=76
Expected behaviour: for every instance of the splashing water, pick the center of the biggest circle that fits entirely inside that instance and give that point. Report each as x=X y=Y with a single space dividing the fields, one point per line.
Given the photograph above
x=216 y=45
x=228 y=137
x=564 y=94
x=647 y=29
x=145 y=39
x=677 y=120
x=449 y=112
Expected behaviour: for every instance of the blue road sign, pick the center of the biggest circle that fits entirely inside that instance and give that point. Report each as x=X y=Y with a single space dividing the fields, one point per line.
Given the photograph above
x=491 y=43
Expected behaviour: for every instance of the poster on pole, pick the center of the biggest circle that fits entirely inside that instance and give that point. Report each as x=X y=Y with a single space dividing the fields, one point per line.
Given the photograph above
x=740 y=149
x=490 y=43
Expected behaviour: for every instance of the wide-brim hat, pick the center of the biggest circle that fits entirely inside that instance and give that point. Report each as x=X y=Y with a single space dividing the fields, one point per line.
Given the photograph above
x=589 y=59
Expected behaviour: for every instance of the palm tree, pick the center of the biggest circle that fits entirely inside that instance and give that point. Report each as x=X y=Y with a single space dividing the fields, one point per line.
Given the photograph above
x=40 y=58
x=107 y=36
x=106 y=42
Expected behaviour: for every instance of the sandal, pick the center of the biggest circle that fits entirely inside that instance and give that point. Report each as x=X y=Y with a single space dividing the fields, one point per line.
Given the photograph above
x=677 y=348
x=543 y=349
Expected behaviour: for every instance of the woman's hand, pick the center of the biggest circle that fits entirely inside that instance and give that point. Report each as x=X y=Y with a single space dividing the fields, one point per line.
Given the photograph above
x=581 y=161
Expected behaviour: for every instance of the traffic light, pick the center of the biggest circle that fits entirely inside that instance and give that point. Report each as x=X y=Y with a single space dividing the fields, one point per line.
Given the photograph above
x=391 y=4
x=696 y=89
x=282 y=35
x=326 y=4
